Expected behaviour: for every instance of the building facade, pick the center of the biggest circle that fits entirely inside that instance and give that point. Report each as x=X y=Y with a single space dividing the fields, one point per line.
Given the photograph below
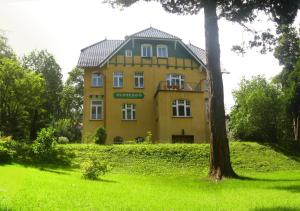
x=151 y=81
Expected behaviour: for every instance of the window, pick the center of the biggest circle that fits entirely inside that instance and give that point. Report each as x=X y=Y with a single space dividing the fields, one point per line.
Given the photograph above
x=162 y=51
x=97 y=80
x=96 y=109
x=118 y=79
x=128 y=53
x=181 y=108
x=139 y=80
x=128 y=111
x=175 y=81
x=146 y=50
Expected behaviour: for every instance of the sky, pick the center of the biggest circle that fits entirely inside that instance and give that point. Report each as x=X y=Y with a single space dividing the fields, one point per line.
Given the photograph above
x=64 y=27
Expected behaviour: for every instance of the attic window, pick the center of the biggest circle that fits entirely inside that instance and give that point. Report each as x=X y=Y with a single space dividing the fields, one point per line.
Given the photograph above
x=128 y=53
x=162 y=51
x=146 y=50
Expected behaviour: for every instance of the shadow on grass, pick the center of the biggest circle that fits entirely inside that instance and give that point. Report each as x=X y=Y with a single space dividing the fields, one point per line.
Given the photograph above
x=279 y=208
x=54 y=171
x=102 y=180
x=265 y=179
x=289 y=149
x=291 y=188
x=4 y=208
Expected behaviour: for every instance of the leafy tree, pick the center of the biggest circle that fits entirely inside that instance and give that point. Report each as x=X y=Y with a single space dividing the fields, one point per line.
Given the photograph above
x=256 y=115
x=292 y=94
x=5 y=50
x=21 y=96
x=72 y=95
x=287 y=52
x=44 y=63
x=282 y=12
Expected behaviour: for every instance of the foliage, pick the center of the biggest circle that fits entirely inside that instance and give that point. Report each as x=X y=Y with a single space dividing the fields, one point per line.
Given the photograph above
x=118 y=140
x=257 y=112
x=62 y=140
x=21 y=98
x=100 y=136
x=5 y=50
x=148 y=138
x=44 y=147
x=68 y=128
x=4 y=155
x=93 y=168
x=72 y=95
x=44 y=63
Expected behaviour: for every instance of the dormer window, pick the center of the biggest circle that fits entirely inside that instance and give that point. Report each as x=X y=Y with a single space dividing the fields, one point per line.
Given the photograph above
x=128 y=53
x=146 y=50
x=162 y=51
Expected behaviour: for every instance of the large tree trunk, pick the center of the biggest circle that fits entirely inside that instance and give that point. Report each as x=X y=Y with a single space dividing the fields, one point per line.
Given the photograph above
x=220 y=165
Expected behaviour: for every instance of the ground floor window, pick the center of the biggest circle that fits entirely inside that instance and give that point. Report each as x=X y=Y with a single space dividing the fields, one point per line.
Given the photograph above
x=182 y=139
x=128 y=111
x=181 y=108
x=96 y=109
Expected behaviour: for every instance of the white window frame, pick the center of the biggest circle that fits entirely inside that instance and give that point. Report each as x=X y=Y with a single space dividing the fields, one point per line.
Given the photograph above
x=139 y=80
x=146 y=46
x=96 y=106
x=128 y=53
x=128 y=111
x=175 y=80
x=118 y=79
x=98 y=78
x=158 y=47
x=186 y=106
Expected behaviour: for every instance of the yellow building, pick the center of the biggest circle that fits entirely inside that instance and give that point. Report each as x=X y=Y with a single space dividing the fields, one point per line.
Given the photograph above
x=151 y=81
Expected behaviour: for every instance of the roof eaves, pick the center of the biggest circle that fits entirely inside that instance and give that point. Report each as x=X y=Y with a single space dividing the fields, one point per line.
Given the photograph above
x=192 y=53
x=113 y=52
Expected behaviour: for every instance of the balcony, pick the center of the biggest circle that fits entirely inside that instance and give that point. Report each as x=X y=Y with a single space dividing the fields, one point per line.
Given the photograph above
x=184 y=87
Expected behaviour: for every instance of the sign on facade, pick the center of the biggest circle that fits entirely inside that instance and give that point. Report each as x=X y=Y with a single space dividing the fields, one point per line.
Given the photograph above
x=128 y=95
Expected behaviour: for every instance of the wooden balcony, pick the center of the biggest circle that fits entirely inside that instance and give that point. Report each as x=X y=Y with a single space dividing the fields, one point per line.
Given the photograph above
x=181 y=63
x=185 y=87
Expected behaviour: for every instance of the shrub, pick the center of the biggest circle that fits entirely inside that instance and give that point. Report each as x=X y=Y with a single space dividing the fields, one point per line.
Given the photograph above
x=93 y=168
x=100 y=136
x=44 y=145
x=139 y=139
x=68 y=128
x=62 y=140
x=118 y=140
x=4 y=155
x=148 y=138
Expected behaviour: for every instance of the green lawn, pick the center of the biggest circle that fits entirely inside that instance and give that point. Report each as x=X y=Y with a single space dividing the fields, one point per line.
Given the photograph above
x=158 y=177
x=28 y=188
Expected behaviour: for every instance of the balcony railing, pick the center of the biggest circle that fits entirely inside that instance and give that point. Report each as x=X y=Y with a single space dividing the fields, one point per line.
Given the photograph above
x=185 y=87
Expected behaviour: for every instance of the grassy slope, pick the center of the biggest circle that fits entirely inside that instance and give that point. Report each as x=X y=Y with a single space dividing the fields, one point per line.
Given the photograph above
x=187 y=159
x=170 y=181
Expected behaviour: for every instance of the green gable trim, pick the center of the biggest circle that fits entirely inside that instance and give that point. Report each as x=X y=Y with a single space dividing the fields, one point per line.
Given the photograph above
x=174 y=50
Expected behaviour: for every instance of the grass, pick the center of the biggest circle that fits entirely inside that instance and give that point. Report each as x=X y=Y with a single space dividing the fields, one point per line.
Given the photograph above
x=159 y=177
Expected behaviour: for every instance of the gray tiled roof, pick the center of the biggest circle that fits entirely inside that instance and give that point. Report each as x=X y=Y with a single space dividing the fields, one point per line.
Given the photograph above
x=95 y=54
x=154 y=33
x=199 y=52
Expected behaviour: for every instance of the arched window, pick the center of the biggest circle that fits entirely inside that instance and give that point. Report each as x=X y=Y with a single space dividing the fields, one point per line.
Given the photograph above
x=181 y=108
x=175 y=81
x=97 y=80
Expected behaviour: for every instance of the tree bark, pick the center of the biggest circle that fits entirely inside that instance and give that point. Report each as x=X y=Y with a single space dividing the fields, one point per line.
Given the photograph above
x=220 y=165
x=296 y=128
